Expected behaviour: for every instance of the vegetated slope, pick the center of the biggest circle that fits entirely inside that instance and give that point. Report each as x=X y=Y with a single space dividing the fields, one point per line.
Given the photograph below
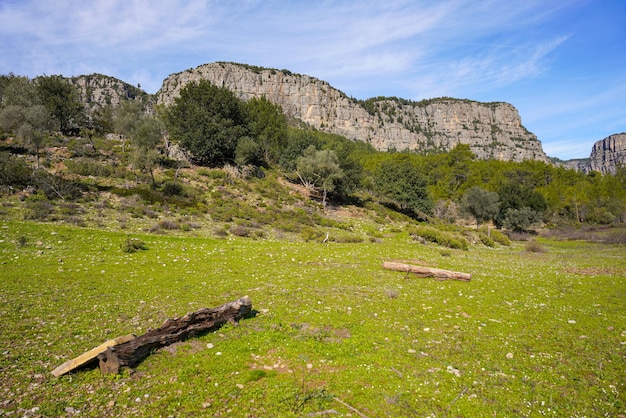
x=493 y=130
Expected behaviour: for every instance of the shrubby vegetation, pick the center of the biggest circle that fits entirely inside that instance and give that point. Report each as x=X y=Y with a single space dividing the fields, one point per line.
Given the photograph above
x=220 y=131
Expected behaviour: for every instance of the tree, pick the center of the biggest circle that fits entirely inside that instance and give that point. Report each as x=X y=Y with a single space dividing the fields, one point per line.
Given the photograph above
x=125 y=118
x=482 y=204
x=520 y=220
x=268 y=127
x=299 y=140
x=62 y=101
x=208 y=121
x=400 y=180
x=145 y=136
x=23 y=114
x=319 y=169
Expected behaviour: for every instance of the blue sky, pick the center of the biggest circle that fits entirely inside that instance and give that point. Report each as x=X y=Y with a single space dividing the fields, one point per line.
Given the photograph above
x=562 y=64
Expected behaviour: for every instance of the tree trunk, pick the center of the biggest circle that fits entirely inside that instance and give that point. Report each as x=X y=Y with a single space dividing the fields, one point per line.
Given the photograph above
x=426 y=271
x=173 y=330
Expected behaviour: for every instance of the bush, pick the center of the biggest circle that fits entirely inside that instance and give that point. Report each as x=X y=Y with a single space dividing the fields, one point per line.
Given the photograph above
x=131 y=245
x=535 y=247
x=494 y=235
x=437 y=236
x=220 y=232
x=14 y=172
x=169 y=224
x=240 y=231
x=172 y=189
x=520 y=220
x=38 y=207
x=309 y=234
x=486 y=240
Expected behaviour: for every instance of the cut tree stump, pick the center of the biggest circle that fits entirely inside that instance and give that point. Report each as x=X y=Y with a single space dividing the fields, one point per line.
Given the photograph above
x=204 y=320
x=427 y=271
x=86 y=358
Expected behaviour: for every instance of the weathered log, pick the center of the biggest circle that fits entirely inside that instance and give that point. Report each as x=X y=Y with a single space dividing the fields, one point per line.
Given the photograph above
x=89 y=356
x=426 y=271
x=173 y=330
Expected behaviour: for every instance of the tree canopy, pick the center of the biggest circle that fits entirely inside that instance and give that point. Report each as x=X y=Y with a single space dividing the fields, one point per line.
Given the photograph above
x=399 y=179
x=208 y=121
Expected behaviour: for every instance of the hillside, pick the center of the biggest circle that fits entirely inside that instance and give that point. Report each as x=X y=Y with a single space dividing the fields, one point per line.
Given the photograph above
x=492 y=130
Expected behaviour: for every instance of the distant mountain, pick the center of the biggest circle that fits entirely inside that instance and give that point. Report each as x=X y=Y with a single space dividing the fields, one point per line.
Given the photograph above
x=492 y=130
x=606 y=155
x=98 y=90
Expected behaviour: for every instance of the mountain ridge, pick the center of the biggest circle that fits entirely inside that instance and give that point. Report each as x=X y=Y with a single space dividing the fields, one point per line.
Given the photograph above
x=493 y=130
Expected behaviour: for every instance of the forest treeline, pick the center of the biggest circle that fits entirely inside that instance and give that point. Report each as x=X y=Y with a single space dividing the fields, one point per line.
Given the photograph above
x=215 y=128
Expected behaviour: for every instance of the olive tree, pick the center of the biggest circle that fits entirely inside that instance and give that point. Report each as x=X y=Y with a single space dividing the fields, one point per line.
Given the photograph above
x=482 y=204
x=319 y=169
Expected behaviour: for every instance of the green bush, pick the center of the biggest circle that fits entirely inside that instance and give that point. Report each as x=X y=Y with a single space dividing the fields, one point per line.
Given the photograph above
x=14 y=172
x=131 y=245
x=310 y=234
x=535 y=247
x=437 y=236
x=486 y=240
x=172 y=189
x=38 y=207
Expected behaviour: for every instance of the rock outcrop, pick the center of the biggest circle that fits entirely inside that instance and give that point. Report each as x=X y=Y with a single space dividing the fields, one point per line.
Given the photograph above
x=492 y=130
x=608 y=153
x=606 y=156
x=97 y=91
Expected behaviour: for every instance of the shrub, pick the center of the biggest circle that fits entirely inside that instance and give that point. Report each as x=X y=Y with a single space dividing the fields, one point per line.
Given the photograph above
x=169 y=224
x=616 y=237
x=38 y=207
x=443 y=238
x=312 y=234
x=486 y=240
x=14 y=172
x=220 y=232
x=500 y=238
x=240 y=231
x=347 y=239
x=535 y=247
x=131 y=245
x=172 y=189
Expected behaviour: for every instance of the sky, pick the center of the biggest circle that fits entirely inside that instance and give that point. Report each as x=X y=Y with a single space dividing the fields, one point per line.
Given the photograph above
x=561 y=63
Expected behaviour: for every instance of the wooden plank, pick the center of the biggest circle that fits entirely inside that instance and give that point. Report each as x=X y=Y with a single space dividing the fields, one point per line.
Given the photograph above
x=90 y=355
x=426 y=271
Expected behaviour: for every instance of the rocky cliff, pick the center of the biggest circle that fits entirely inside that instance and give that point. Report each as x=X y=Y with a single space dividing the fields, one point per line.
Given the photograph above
x=606 y=156
x=493 y=130
x=608 y=153
x=97 y=91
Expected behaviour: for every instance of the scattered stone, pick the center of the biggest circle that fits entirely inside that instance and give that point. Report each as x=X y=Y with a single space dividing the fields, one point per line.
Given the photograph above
x=454 y=371
x=509 y=355
x=210 y=345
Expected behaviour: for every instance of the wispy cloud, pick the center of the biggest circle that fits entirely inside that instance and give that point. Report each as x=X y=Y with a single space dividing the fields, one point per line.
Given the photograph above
x=408 y=48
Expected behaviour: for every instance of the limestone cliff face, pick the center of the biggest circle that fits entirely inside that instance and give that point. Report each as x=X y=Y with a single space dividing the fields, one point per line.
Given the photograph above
x=608 y=153
x=97 y=91
x=493 y=130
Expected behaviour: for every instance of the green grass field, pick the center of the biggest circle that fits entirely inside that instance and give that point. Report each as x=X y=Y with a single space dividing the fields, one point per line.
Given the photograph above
x=533 y=333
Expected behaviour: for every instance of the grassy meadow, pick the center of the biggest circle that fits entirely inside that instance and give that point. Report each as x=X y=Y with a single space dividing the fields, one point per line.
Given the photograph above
x=535 y=333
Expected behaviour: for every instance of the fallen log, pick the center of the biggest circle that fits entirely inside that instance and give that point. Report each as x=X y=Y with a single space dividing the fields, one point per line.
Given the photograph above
x=204 y=320
x=426 y=271
x=89 y=356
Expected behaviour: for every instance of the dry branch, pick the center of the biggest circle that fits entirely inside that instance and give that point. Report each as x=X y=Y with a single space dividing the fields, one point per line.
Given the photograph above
x=426 y=271
x=204 y=320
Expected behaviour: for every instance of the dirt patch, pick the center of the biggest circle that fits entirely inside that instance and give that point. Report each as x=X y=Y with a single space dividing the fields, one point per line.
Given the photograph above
x=187 y=347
